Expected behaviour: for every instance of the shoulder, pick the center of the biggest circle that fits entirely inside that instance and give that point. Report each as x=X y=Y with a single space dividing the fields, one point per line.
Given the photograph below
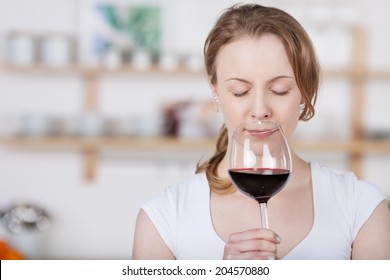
x=193 y=184
x=157 y=223
x=164 y=210
x=345 y=196
x=378 y=225
x=343 y=183
x=178 y=195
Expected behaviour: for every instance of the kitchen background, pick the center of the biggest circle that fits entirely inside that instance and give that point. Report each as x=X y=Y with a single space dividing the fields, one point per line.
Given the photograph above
x=105 y=103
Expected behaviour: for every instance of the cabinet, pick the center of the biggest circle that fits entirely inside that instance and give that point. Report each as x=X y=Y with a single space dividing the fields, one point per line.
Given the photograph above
x=356 y=147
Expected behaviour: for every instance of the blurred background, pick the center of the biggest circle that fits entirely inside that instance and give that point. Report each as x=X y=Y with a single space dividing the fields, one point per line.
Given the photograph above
x=105 y=103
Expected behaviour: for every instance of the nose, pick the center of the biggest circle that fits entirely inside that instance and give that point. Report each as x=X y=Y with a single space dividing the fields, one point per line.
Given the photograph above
x=260 y=108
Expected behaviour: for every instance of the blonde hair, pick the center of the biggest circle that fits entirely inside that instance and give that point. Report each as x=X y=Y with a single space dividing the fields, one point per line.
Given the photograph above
x=252 y=20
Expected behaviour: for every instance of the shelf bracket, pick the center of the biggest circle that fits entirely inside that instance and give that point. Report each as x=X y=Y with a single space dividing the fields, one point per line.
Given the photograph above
x=90 y=161
x=91 y=89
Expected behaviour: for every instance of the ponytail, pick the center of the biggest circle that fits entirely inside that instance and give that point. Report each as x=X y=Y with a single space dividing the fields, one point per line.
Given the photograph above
x=210 y=166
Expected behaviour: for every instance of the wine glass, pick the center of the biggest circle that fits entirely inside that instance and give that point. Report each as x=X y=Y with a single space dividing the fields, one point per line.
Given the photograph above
x=259 y=161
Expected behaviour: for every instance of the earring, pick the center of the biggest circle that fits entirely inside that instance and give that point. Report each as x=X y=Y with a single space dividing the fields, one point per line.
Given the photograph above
x=302 y=107
x=216 y=103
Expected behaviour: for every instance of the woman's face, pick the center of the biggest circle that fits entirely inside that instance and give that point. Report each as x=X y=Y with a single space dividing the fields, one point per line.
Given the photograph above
x=255 y=81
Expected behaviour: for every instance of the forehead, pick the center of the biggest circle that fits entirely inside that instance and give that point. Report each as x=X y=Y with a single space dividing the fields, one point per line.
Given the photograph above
x=265 y=45
x=263 y=55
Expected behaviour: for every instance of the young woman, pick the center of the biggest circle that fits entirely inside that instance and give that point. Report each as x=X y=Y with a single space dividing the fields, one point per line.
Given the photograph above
x=261 y=66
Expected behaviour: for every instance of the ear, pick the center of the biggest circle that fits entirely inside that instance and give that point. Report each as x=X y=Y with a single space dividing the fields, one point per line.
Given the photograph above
x=302 y=100
x=214 y=93
x=213 y=88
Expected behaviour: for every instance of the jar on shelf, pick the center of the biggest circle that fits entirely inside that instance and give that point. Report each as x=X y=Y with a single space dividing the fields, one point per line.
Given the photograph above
x=56 y=50
x=21 y=48
x=112 y=59
x=141 y=60
x=168 y=62
x=194 y=63
x=91 y=125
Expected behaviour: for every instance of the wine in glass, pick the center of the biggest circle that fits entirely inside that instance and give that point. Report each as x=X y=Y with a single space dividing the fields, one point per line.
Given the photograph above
x=259 y=161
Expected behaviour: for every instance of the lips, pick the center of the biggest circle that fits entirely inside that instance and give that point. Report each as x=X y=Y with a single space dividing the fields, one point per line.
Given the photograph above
x=261 y=133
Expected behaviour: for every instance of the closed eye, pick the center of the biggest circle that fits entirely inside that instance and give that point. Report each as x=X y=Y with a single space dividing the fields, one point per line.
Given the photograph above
x=281 y=93
x=240 y=94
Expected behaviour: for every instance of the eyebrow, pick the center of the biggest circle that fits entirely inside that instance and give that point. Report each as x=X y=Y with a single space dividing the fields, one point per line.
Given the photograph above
x=269 y=81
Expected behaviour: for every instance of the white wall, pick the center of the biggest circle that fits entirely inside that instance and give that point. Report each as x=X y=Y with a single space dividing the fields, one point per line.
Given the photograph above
x=96 y=220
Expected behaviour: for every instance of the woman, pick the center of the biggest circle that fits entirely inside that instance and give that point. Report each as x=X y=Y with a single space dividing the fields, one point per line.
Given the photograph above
x=261 y=66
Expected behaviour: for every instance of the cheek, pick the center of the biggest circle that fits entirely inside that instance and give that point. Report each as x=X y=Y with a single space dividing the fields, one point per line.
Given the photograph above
x=290 y=119
x=231 y=115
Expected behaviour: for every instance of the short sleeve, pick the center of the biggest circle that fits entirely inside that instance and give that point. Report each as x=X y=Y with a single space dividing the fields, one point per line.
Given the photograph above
x=366 y=198
x=161 y=211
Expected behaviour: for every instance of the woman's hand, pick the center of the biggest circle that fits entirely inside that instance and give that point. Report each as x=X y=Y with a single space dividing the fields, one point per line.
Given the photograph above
x=254 y=244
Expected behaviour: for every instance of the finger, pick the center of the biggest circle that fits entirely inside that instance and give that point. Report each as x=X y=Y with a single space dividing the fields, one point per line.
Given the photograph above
x=264 y=234
x=251 y=255
x=251 y=245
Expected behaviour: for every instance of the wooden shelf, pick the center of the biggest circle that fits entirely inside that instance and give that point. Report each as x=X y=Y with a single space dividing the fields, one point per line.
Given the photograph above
x=96 y=71
x=100 y=143
x=90 y=146
x=356 y=147
x=362 y=147
x=128 y=70
x=357 y=74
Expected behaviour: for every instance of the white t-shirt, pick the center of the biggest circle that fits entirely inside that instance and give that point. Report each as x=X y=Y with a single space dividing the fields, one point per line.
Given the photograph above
x=342 y=204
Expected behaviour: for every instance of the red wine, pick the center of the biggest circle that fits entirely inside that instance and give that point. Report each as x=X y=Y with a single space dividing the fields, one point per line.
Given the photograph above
x=260 y=184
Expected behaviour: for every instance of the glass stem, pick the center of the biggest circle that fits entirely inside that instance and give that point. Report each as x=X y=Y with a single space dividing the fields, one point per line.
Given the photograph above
x=263 y=215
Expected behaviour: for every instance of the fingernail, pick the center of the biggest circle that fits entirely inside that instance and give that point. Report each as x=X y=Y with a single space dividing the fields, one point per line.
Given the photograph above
x=278 y=238
x=271 y=258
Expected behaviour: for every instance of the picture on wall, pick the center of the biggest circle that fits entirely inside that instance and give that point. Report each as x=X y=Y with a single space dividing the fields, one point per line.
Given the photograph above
x=123 y=29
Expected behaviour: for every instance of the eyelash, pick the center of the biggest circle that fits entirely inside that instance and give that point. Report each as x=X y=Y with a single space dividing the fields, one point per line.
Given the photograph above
x=280 y=93
x=241 y=94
